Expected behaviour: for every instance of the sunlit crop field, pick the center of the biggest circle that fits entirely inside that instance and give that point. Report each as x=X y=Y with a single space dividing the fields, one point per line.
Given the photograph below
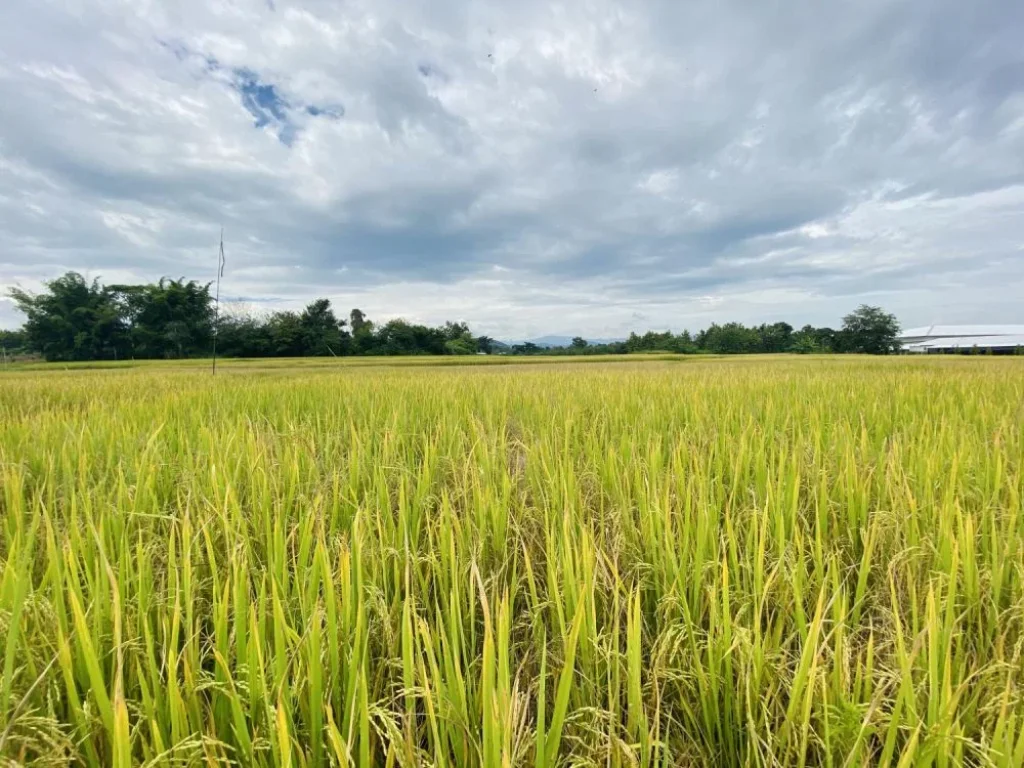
x=753 y=562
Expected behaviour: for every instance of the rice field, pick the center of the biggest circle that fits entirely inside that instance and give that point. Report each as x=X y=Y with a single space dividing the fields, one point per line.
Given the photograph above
x=744 y=562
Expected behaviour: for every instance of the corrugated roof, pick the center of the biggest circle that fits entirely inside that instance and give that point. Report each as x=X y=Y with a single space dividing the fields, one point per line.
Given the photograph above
x=966 y=342
x=952 y=331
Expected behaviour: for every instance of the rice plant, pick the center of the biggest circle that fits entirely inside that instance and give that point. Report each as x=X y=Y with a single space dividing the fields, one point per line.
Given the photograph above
x=747 y=562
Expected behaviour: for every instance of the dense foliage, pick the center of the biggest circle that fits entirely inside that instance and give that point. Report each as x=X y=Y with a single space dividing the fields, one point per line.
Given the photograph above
x=12 y=342
x=868 y=330
x=697 y=563
x=76 y=320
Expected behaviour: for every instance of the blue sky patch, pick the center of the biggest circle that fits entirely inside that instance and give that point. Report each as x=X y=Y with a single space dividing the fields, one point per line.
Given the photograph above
x=334 y=112
x=268 y=106
x=261 y=99
x=264 y=100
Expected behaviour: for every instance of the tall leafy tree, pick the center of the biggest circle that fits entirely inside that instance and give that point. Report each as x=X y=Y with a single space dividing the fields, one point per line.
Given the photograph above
x=363 y=341
x=652 y=341
x=240 y=335
x=72 y=319
x=685 y=344
x=776 y=337
x=357 y=320
x=730 y=338
x=286 y=334
x=871 y=330
x=399 y=337
x=322 y=332
x=459 y=340
x=810 y=340
x=170 y=318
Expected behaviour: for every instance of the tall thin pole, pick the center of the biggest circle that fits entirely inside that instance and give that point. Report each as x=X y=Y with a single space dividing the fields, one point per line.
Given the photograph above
x=216 y=308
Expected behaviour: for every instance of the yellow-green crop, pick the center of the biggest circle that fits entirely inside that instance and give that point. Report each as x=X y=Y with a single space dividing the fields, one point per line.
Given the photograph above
x=752 y=562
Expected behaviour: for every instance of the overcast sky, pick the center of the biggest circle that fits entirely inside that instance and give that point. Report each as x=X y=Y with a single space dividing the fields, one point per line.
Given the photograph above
x=529 y=167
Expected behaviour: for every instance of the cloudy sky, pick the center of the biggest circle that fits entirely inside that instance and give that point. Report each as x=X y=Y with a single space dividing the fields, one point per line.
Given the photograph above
x=530 y=167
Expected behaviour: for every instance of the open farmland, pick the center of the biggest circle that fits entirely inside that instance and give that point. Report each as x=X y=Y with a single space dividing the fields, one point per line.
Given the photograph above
x=758 y=562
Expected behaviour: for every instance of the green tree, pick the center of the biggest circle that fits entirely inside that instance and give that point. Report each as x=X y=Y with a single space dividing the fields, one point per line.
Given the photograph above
x=286 y=334
x=578 y=342
x=460 y=346
x=322 y=332
x=170 y=318
x=731 y=338
x=777 y=337
x=72 y=320
x=651 y=341
x=241 y=333
x=526 y=348
x=400 y=337
x=357 y=320
x=807 y=340
x=804 y=345
x=811 y=339
x=12 y=341
x=453 y=331
x=459 y=340
x=684 y=344
x=871 y=330
x=179 y=336
x=363 y=339
x=826 y=338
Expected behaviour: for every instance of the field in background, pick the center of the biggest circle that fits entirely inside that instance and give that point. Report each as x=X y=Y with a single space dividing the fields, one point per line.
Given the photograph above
x=753 y=561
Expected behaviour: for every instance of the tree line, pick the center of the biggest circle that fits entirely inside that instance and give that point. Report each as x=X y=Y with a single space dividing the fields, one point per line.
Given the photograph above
x=867 y=330
x=75 y=319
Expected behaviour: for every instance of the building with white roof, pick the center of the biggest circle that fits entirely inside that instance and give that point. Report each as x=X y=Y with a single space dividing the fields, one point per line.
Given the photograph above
x=1000 y=339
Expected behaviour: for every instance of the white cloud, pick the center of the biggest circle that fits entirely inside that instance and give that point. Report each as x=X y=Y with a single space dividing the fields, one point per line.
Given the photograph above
x=585 y=167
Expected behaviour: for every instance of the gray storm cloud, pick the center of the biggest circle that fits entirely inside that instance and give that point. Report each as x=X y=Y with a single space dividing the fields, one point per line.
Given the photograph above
x=531 y=167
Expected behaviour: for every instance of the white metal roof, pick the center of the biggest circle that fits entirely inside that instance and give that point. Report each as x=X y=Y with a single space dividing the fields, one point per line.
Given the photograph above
x=966 y=342
x=954 y=331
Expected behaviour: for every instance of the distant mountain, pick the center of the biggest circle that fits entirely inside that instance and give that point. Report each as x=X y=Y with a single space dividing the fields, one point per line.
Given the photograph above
x=562 y=341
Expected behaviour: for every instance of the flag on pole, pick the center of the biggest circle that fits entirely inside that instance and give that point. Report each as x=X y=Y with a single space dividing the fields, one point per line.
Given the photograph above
x=222 y=259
